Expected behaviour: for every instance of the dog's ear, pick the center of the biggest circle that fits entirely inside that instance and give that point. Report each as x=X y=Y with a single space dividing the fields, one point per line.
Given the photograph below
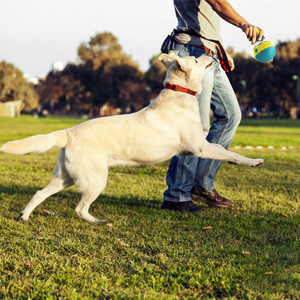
x=168 y=60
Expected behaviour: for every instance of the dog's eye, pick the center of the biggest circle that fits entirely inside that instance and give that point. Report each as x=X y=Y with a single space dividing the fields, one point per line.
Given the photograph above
x=196 y=61
x=208 y=66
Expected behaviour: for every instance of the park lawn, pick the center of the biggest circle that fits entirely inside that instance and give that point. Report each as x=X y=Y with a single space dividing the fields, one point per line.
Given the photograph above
x=268 y=132
x=249 y=252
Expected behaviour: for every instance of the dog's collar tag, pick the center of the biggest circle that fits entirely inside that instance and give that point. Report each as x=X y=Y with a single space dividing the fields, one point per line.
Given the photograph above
x=180 y=89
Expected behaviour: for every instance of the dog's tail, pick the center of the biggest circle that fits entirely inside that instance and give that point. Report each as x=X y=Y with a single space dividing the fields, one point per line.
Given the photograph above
x=37 y=143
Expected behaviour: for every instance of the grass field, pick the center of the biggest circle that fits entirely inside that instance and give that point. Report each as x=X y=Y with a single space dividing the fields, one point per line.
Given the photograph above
x=251 y=251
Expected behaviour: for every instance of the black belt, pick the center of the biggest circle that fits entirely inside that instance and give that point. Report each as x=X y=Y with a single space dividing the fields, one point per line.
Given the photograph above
x=199 y=46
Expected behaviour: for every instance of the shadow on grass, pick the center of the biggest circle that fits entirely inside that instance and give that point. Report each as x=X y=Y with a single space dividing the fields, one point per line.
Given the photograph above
x=16 y=196
x=69 y=198
x=14 y=189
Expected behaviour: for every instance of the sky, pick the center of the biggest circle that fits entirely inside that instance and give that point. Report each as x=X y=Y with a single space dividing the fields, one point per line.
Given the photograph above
x=36 y=33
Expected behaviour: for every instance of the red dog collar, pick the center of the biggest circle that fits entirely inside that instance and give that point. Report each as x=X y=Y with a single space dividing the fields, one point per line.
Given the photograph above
x=180 y=89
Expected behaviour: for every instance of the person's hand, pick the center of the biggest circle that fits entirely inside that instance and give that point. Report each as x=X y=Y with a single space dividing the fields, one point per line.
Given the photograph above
x=250 y=31
x=231 y=62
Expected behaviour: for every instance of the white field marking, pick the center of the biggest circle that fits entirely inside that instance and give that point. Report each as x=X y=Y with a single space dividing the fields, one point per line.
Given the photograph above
x=265 y=147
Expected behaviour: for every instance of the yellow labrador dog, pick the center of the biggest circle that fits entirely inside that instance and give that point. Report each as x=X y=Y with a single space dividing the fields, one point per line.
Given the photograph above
x=169 y=125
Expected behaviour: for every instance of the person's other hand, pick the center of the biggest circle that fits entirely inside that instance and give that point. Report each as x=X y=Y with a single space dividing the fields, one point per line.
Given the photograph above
x=231 y=62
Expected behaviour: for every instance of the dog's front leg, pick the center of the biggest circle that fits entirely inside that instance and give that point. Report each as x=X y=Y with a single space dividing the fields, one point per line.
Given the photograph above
x=215 y=151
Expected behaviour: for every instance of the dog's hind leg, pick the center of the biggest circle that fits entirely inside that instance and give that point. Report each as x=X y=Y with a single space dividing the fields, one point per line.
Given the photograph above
x=92 y=185
x=60 y=181
x=56 y=184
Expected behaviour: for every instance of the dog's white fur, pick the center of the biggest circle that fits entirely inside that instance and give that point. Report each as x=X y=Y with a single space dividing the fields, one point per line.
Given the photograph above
x=168 y=126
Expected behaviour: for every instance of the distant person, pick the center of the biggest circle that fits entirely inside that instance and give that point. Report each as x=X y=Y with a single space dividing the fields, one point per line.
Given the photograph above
x=254 y=111
x=298 y=114
x=198 y=31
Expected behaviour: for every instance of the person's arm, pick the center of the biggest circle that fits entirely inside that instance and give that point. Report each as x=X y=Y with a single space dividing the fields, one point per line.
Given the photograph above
x=227 y=13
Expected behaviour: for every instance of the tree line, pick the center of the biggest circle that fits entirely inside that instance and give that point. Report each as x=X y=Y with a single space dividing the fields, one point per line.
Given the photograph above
x=105 y=81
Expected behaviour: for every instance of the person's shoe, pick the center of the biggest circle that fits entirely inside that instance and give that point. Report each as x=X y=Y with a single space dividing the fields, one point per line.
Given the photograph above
x=188 y=206
x=210 y=198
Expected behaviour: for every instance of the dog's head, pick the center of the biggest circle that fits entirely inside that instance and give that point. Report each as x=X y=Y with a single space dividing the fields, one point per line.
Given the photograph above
x=186 y=71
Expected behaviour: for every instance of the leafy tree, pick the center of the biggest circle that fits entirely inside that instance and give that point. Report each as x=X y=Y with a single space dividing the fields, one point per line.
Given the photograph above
x=288 y=50
x=50 y=91
x=63 y=91
x=134 y=95
x=13 y=86
x=105 y=68
x=104 y=73
x=73 y=89
x=155 y=75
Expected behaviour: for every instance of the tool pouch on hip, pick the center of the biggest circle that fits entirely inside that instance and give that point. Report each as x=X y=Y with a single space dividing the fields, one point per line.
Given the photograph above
x=168 y=43
x=222 y=55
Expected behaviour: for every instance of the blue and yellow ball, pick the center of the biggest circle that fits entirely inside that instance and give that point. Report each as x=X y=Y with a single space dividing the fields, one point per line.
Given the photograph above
x=264 y=51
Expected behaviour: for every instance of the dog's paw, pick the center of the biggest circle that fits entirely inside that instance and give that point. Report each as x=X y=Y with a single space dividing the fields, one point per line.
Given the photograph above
x=258 y=162
x=86 y=216
x=94 y=220
x=23 y=217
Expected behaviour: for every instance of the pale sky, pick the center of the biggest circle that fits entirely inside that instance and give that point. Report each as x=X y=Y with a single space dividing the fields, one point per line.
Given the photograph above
x=36 y=33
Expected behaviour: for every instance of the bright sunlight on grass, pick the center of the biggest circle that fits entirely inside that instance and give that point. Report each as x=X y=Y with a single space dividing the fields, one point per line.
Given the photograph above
x=249 y=252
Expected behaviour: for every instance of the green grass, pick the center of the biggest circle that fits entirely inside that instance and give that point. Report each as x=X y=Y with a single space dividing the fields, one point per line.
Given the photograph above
x=143 y=252
x=268 y=132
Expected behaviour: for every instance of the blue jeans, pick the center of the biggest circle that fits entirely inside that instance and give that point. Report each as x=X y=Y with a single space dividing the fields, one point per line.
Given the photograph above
x=218 y=95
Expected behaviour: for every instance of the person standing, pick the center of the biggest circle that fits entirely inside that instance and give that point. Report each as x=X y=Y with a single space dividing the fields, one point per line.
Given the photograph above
x=198 y=32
